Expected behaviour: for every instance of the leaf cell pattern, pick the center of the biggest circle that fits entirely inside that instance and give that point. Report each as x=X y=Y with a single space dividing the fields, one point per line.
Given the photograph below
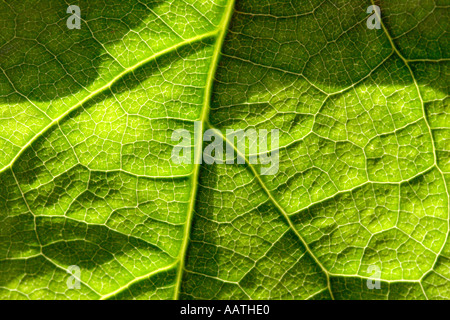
x=86 y=177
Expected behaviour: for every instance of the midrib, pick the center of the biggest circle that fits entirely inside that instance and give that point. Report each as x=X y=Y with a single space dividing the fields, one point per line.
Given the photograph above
x=222 y=30
x=220 y=33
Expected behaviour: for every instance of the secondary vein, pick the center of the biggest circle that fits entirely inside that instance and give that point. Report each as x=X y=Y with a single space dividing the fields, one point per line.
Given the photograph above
x=108 y=86
x=279 y=208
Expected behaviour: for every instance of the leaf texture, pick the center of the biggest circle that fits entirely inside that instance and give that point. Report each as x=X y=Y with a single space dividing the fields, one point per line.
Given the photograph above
x=86 y=176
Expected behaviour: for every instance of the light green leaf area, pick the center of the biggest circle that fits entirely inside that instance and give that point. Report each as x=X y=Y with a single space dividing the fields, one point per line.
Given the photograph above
x=86 y=176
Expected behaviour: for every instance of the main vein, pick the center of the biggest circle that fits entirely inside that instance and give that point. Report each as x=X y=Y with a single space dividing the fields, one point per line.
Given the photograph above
x=223 y=27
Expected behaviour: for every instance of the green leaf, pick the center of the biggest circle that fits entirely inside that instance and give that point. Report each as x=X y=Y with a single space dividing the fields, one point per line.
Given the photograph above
x=87 y=179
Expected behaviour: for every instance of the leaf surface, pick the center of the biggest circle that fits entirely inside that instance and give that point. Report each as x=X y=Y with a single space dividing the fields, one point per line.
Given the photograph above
x=87 y=116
